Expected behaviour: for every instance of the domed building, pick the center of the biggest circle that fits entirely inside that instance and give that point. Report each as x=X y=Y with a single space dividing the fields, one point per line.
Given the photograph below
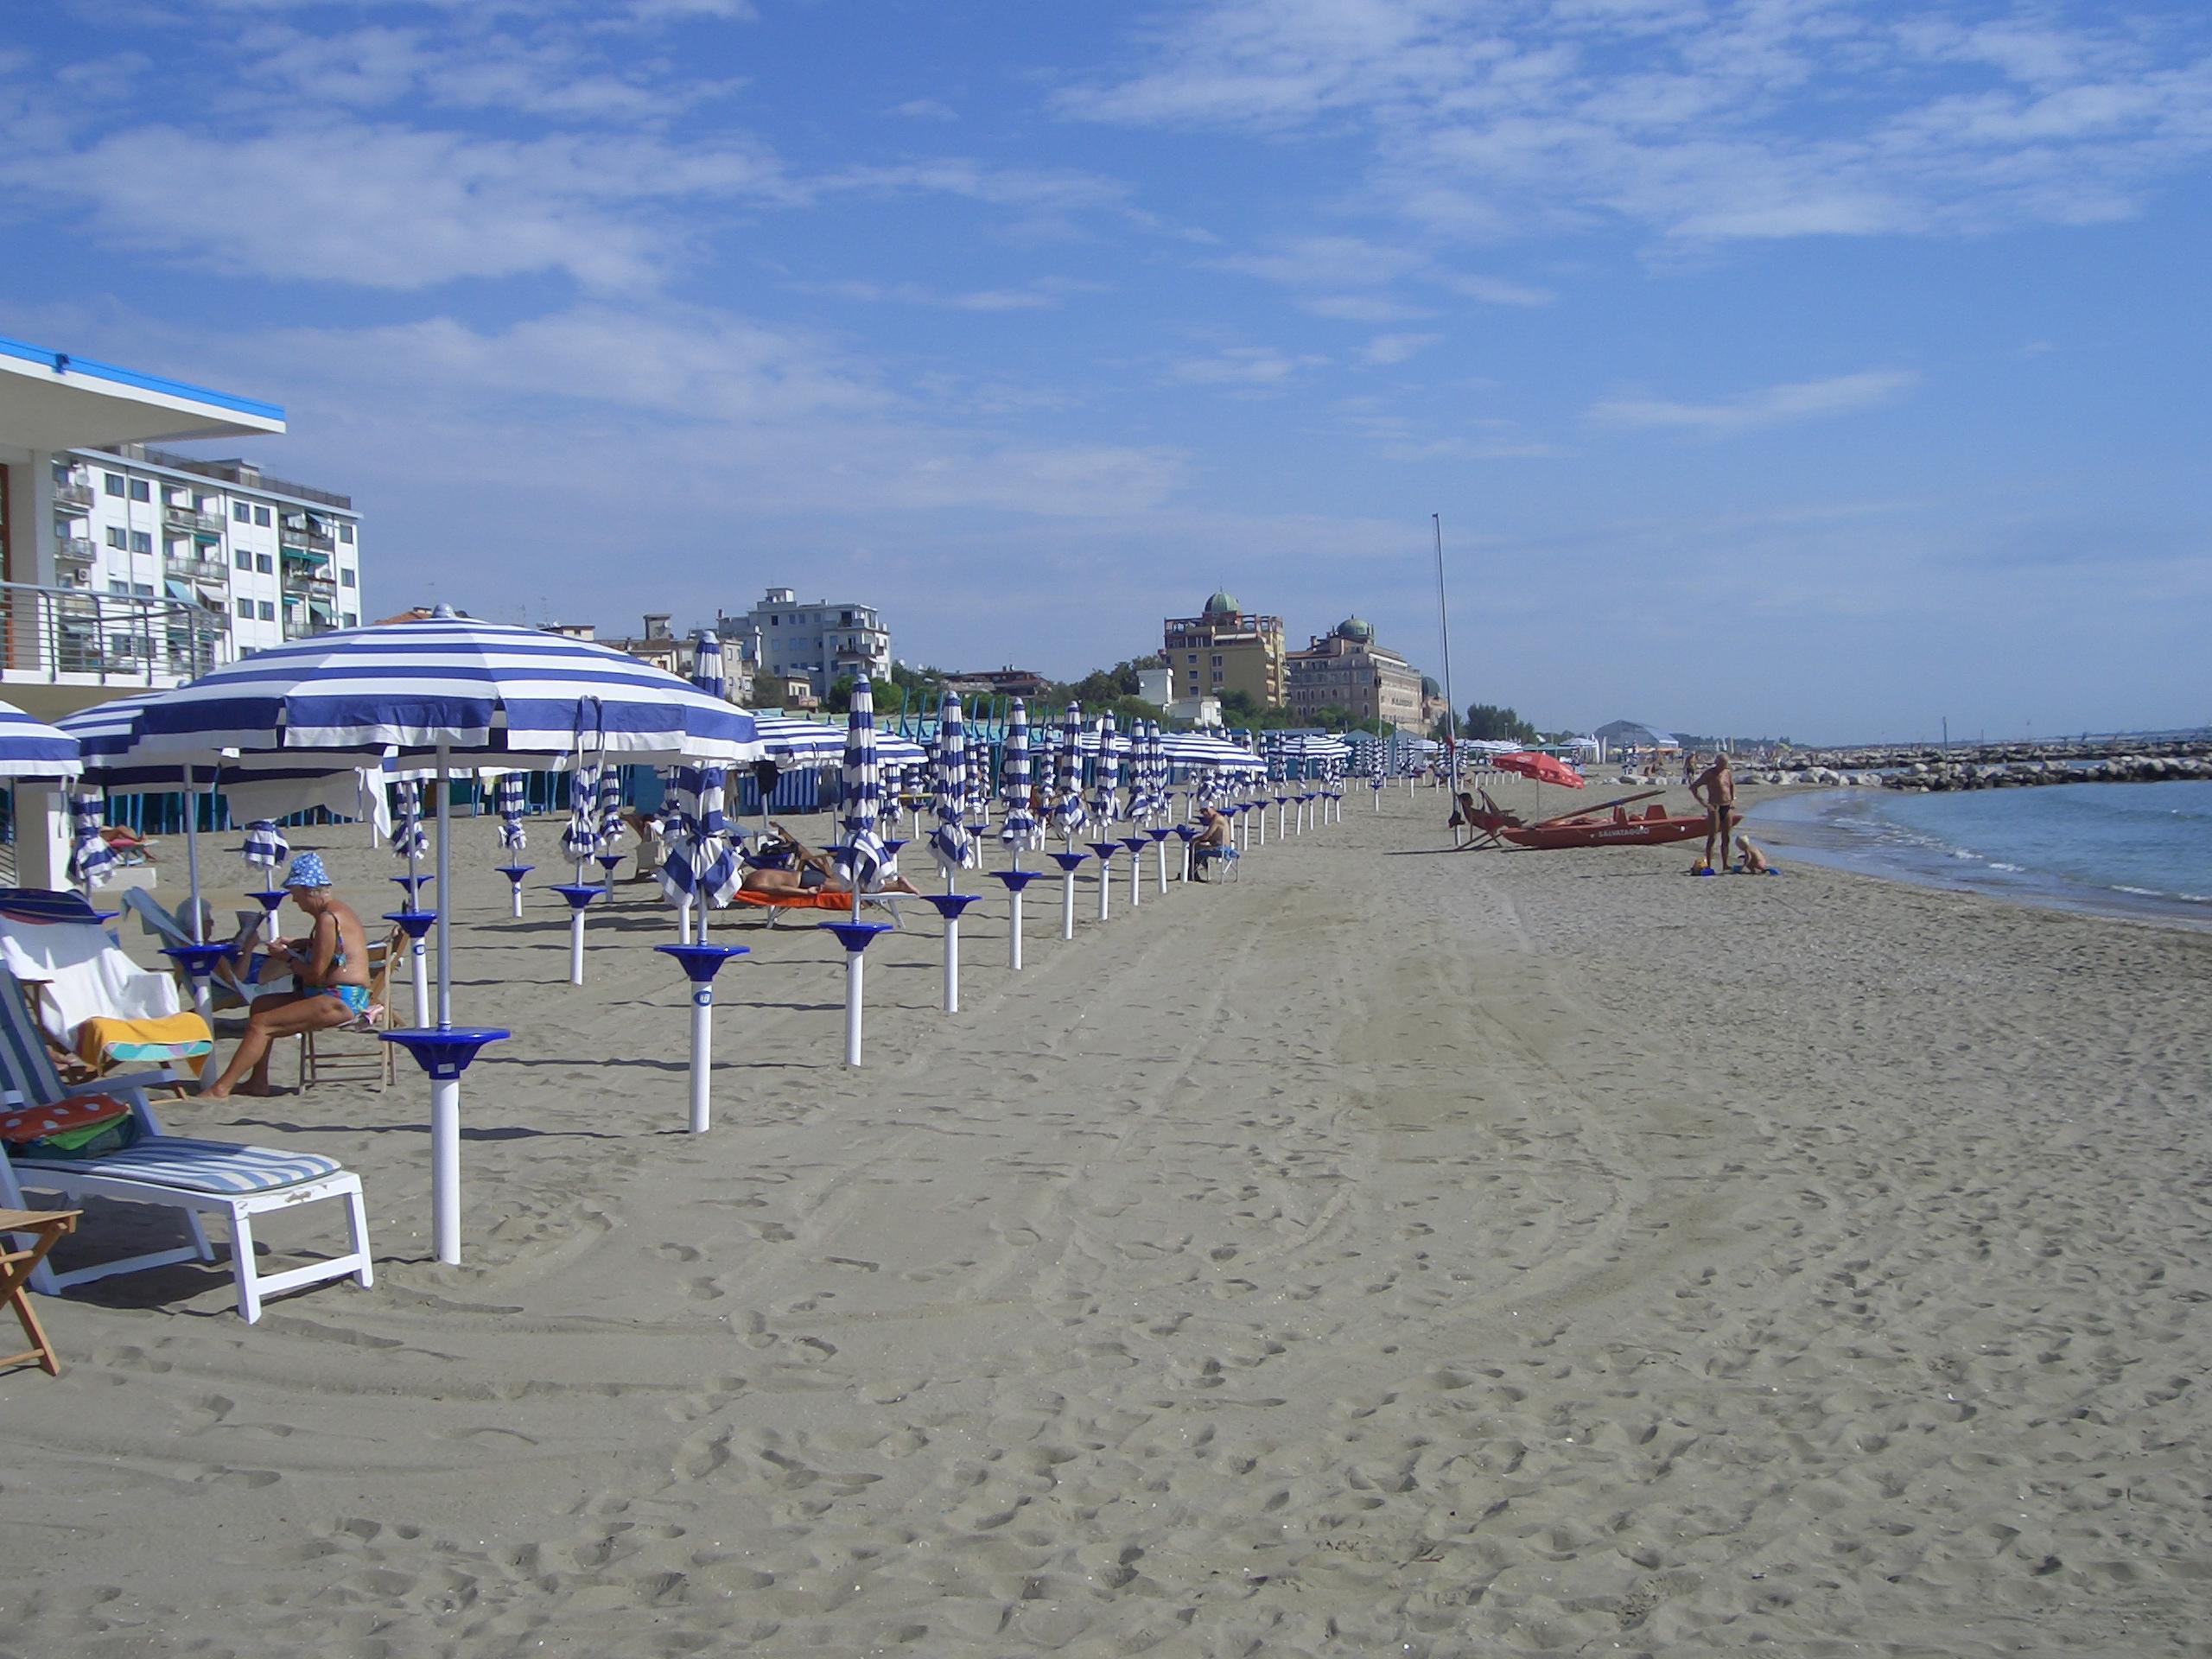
x=1345 y=669
x=1225 y=649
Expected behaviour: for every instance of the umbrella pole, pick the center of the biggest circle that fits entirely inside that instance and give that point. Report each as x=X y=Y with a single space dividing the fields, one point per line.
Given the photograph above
x=853 y=1007
x=1013 y=938
x=684 y=912
x=1067 y=902
x=445 y=1092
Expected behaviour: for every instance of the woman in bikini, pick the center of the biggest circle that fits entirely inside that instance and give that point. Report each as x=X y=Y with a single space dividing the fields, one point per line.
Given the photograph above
x=330 y=967
x=790 y=866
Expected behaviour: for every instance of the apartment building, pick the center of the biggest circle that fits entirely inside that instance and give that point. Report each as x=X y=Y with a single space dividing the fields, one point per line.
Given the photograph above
x=1223 y=649
x=276 y=560
x=822 y=641
x=1345 y=668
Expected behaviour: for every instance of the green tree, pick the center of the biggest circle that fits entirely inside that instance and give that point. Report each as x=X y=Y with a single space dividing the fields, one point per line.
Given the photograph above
x=1488 y=721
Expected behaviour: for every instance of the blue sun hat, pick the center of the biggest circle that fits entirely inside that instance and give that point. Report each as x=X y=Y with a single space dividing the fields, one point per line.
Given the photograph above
x=307 y=870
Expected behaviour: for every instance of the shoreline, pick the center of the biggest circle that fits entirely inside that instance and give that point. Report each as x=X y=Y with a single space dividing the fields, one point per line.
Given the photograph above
x=1815 y=826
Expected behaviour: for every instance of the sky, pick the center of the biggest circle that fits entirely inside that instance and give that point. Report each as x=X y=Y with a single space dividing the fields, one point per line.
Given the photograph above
x=1815 y=367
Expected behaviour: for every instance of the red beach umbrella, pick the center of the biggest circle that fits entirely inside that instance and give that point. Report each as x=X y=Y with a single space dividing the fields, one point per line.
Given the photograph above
x=1544 y=768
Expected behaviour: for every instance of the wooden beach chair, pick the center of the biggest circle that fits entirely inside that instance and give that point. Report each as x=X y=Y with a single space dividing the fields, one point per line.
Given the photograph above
x=351 y=1062
x=195 y=1178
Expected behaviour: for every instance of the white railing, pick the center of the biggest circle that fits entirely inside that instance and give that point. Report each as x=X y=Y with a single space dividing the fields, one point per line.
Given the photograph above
x=64 y=636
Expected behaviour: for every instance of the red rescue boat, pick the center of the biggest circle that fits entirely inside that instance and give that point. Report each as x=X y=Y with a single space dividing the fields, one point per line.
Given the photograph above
x=1597 y=827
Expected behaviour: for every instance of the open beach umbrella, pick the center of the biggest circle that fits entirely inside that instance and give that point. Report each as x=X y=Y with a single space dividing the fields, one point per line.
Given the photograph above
x=1021 y=831
x=950 y=844
x=1544 y=768
x=31 y=749
x=461 y=693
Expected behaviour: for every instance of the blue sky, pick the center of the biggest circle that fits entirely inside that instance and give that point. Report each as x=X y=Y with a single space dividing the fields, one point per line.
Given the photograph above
x=1775 y=366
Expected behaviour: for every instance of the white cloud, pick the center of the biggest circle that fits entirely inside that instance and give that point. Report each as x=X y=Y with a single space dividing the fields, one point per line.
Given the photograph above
x=1248 y=366
x=1385 y=349
x=1772 y=406
x=925 y=109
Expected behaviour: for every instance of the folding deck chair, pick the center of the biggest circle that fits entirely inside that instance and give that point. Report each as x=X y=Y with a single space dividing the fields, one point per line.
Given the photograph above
x=92 y=1000
x=375 y=1062
x=231 y=989
x=199 y=1177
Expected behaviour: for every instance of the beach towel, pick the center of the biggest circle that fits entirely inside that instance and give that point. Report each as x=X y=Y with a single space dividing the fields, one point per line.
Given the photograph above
x=101 y=1041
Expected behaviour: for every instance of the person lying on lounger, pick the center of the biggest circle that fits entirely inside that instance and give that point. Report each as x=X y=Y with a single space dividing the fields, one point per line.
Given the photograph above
x=808 y=872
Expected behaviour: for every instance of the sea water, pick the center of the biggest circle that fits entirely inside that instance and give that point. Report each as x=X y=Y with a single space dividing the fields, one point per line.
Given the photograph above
x=2142 y=850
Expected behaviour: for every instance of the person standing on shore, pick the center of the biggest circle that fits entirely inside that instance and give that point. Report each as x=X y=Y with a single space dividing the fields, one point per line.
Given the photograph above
x=1715 y=791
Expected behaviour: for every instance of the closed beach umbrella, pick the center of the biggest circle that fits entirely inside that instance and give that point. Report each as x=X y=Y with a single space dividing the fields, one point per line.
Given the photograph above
x=867 y=861
x=92 y=861
x=1106 y=795
x=1020 y=832
x=581 y=839
x=707 y=665
x=1068 y=816
x=950 y=844
x=408 y=839
x=512 y=837
x=265 y=847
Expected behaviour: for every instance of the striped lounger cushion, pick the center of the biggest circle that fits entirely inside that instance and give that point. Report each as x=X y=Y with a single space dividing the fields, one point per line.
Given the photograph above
x=199 y=1166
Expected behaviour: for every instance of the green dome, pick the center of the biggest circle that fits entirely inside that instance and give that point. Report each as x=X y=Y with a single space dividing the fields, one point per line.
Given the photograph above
x=1429 y=687
x=1357 y=630
x=1220 y=605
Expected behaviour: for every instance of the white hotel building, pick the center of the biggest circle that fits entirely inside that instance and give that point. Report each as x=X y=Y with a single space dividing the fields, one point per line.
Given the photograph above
x=825 y=642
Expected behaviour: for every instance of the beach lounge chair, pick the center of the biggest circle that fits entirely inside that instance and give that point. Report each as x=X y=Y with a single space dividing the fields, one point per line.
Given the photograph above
x=198 y=1178
x=319 y=1062
x=229 y=989
x=776 y=904
x=92 y=1000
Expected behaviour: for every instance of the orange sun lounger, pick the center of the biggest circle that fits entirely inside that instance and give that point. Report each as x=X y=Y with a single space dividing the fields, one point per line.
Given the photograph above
x=776 y=903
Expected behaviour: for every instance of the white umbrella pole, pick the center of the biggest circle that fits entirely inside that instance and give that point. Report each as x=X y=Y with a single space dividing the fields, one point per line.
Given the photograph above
x=702 y=1051
x=1162 y=846
x=576 y=948
x=1013 y=938
x=952 y=964
x=684 y=912
x=1067 y=904
x=202 y=1002
x=853 y=1007
x=1105 y=887
x=445 y=1092
x=1136 y=877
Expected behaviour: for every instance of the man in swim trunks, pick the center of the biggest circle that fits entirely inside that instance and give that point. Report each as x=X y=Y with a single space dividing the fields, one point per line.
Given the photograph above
x=1715 y=791
x=330 y=967
x=810 y=872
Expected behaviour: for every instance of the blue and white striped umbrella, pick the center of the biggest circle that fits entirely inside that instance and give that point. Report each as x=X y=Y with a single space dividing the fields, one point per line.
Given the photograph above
x=707 y=665
x=581 y=839
x=1021 y=831
x=1106 y=781
x=610 y=807
x=265 y=847
x=1067 y=815
x=700 y=861
x=979 y=789
x=31 y=749
x=409 y=838
x=1155 y=771
x=950 y=844
x=867 y=862
x=482 y=691
x=790 y=741
x=92 y=861
x=512 y=838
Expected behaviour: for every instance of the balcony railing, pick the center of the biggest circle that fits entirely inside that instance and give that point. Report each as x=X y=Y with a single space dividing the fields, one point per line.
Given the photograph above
x=321 y=541
x=197 y=569
x=75 y=550
x=192 y=518
x=63 y=636
x=78 y=497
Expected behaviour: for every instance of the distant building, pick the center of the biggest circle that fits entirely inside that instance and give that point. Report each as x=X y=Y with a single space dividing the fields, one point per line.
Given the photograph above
x=1345 y=668
x=1205 y=711
x=659 y=646
x=1156 y=685
x=1223 y=650
x=1432 y=704
x=823 y=641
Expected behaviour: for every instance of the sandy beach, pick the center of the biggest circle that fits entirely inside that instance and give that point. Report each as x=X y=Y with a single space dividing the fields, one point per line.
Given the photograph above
x=1391 y=1252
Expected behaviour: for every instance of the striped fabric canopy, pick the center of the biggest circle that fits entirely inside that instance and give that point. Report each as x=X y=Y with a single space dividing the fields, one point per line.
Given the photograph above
x=610 y=807
x=1021 y=831
x=950 y=844
x=1106 y=781
x=1197 y=749
x=707 y=665
x=409 y=838
x=581 y=839
x=92 y=861
x=483 y=690
x=701 y=861
x=265 y=847
x=864 y=858
x=31 y=749
x=512 y=837
x=1068 y=818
